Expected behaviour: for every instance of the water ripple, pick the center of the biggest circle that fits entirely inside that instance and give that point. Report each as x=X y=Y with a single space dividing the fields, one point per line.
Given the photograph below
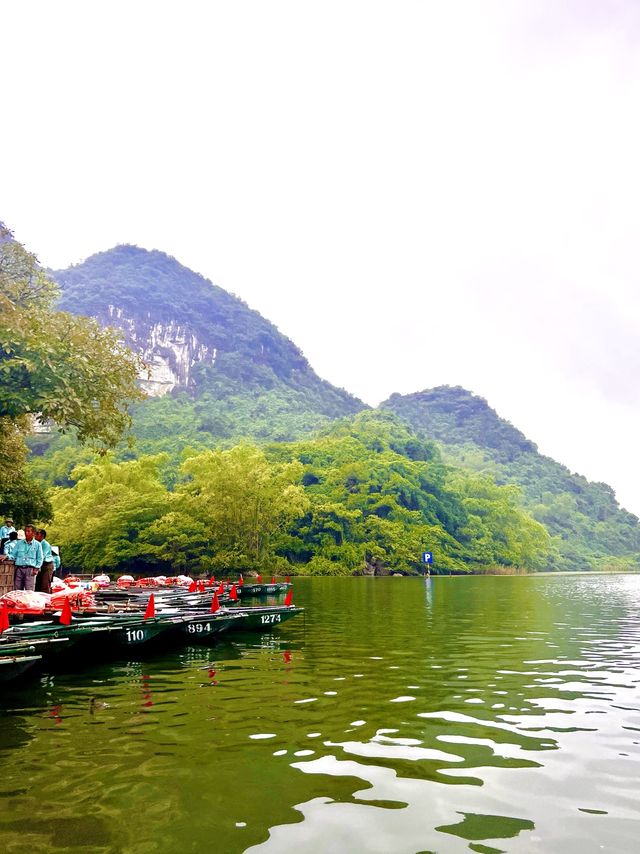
x=521 y=732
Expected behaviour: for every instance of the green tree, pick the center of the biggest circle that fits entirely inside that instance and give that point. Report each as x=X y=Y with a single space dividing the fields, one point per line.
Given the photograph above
x=244 y=500
x=102 y=521
x=21 y=496
x=56 y=366
x=499 y=529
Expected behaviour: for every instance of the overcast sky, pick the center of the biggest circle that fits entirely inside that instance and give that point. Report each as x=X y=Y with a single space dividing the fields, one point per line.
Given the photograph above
x=417 y=193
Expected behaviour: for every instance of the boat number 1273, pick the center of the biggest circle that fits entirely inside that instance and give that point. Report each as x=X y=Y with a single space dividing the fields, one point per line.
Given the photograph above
x=270 y=618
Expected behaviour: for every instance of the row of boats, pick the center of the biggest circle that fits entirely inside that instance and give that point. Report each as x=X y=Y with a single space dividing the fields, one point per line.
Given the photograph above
x=136 y=620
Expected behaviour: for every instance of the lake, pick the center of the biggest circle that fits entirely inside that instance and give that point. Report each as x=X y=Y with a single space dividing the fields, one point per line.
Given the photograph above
x=398 y=715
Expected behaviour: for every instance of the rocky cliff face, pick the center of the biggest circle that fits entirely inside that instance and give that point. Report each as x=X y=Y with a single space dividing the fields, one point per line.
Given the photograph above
x=193 y=334
x=169 y=349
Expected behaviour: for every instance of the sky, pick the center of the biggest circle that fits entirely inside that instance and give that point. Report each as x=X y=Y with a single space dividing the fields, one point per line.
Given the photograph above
x=416 y=193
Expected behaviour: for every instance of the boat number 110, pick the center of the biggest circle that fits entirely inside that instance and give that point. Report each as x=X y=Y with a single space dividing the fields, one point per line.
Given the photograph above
x=134 y=635
x=270 y=618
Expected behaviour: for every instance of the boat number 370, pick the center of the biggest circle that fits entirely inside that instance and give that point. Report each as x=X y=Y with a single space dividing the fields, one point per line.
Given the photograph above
x=270 y=618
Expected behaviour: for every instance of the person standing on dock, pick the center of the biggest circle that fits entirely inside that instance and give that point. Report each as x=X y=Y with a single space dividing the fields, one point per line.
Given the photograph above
x=55 y=557
x=27 y=556
x=5 y=532
x=6 y=529
x=43 y=579
x=10 y=544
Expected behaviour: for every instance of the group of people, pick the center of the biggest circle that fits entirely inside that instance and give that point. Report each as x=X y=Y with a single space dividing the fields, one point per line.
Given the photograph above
x=34 y=559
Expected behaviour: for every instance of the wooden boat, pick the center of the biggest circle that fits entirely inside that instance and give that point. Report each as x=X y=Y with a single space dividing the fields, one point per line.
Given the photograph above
x=277 y=588
x=254 y=618
x=117 y=632
x=118 y=602
x=204 y=628
x=46 y=638
x=109 y=601
x=25 y=645
x=93 y=636
x=16 y=659
x=263 y=618
x=193 y=625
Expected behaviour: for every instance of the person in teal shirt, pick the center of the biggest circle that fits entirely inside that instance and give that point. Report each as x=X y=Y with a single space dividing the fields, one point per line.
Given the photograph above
x=27 y=556
x=10 y=545
x=55 y=557
x=43 y=579
x=6 y=529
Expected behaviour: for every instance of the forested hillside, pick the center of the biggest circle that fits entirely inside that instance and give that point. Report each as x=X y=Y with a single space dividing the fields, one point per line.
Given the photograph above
x=218 y=371
x=363 y=497
x=244 y=458
x=231 y=368
x=584 y=518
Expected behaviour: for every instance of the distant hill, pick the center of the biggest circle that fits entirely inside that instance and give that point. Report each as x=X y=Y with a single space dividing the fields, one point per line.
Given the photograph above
x=587 y=522
x=218 y=369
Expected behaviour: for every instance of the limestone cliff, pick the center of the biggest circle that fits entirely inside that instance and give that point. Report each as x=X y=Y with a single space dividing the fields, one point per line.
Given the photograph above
x=170 y=350
x=193 y=335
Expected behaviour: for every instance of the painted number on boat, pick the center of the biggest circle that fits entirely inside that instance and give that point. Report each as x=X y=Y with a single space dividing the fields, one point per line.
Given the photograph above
x=270 y=618
x=135 y=635
x=198 y=628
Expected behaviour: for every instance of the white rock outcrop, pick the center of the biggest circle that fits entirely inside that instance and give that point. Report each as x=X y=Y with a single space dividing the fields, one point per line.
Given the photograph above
x=170 y=350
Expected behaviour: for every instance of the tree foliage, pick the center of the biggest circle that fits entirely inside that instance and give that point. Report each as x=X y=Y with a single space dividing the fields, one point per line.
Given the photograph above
x=54 y=365
x=22 y=497
x=101 y=521
x=243 y=502
x=226 y=512
x=586 y=523
x=364 y=497
x=380 y=497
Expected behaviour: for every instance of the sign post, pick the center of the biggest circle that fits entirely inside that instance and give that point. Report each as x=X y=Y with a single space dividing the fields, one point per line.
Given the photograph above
x=427 y=560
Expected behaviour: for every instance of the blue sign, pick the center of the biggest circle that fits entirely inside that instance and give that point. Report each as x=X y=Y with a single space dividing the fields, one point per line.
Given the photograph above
x=427 y=557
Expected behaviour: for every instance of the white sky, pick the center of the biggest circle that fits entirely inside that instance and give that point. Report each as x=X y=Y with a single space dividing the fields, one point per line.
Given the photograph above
x=416 y=193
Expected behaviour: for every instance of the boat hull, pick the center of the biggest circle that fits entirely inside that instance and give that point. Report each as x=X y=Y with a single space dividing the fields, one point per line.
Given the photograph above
x=205 y=628
x=264 y=619
x=12 y=667
x=16 y=659
x=246 y=591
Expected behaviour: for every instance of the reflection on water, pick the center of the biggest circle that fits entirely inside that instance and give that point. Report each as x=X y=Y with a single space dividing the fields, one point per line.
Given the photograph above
x=403 y=715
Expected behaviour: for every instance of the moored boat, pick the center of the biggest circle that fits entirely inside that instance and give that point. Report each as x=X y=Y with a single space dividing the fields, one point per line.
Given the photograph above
x=263 y=618
x=276 y=588
x=94 y=636
x=204 y=628
x=17 y=658
x=49 y=635
x=110 y=601
x=117 y=632
x=141 y=623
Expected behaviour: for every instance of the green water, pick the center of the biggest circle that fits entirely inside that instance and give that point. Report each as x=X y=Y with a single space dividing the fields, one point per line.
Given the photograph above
x=400 y=715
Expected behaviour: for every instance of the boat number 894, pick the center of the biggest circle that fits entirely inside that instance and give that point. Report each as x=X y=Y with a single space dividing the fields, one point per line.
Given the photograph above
x=270 y=618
